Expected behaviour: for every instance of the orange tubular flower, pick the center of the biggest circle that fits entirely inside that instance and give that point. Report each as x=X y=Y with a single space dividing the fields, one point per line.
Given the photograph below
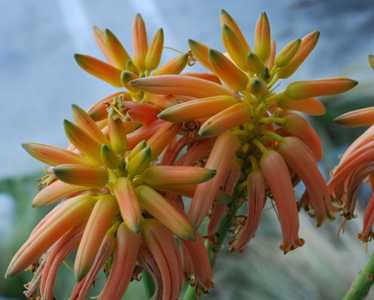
x=221 y=159
x=256 y=202
x=262 y=120
x=277 y=177
x=200 y=265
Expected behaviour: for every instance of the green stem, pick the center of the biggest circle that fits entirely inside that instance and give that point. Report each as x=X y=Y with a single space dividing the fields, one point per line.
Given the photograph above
x=190 y=293
x=361 y=285
x=223 y=230
x=148 y=284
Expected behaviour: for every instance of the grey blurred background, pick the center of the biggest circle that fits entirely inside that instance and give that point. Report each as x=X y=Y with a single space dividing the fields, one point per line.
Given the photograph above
x=39 y=81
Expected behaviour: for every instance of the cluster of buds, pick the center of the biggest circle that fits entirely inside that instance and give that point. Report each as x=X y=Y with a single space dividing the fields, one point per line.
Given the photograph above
x=134 y=158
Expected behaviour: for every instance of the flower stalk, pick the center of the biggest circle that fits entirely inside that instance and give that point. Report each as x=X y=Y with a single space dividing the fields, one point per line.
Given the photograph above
x=215 y=246
x=362 y=283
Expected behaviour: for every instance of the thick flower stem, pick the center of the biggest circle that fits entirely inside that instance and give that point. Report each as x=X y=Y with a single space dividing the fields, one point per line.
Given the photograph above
x=361 y=285
x=190 y=293
x=223 y=230
x=148 y=284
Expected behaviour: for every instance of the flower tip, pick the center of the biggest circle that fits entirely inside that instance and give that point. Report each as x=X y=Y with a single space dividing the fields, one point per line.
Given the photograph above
x=79 y=58
x=163 y=115
x=27 y=147
x=108 y=32
x=211 y=173
x=341 y=120
x=67 y=123
x=10 y=271
x=138 y=16
x=59 y=172
x=68 y=126
x=192 y=43
x=264 y=15
x=204 y=132
x=76 y=109
x=223 y=12
x=214 y=54
x=135 y=228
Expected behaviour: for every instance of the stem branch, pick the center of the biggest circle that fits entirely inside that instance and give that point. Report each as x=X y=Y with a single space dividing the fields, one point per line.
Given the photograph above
x=223 y=230
x=361 y=285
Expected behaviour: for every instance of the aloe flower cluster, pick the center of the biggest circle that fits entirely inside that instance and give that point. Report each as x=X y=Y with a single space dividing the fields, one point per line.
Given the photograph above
x=355 y=167
x=152 y=171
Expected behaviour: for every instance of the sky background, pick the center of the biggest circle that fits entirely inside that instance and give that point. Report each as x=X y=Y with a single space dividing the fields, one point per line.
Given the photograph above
x=40 y=80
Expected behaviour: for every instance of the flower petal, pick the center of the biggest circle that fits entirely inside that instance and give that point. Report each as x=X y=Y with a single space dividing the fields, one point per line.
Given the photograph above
x=310 y=106
x=161 y=138
x=124 y=262
x=227 y=71
x=80 y=139
x=256 y=203
x=164 y=212
x=358 y=117
x=287 y=53
x=228 y=20
x=307 y=45
x=174 y=66
x=69 y=214
x=170 y=175
x=220 y=159
x=99 y=69
x=96 y=228
x=165 y=252
x=301 y=161
x=278 y=179
x=85 y=122
x=263 y=37
x=322 y=87
x=197 y=109
x=81 y=175
x=153 y=56
x=200 y=261
x=117 y=135
x=128 y=203
x=54 y=192
x=115 y=50
x=226 y=119
x=52 y=155
x=200 y=52
x=180 y=85
x=236 y=49
x=299 y=127
x=139 y=41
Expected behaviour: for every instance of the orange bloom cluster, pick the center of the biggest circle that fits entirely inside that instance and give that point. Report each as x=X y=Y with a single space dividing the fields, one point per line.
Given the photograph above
x=355 y=166
x=272 y=145
x=134 y=158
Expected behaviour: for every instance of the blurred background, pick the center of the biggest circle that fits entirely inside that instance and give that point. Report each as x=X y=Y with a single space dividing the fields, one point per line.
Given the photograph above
x=40 y=80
